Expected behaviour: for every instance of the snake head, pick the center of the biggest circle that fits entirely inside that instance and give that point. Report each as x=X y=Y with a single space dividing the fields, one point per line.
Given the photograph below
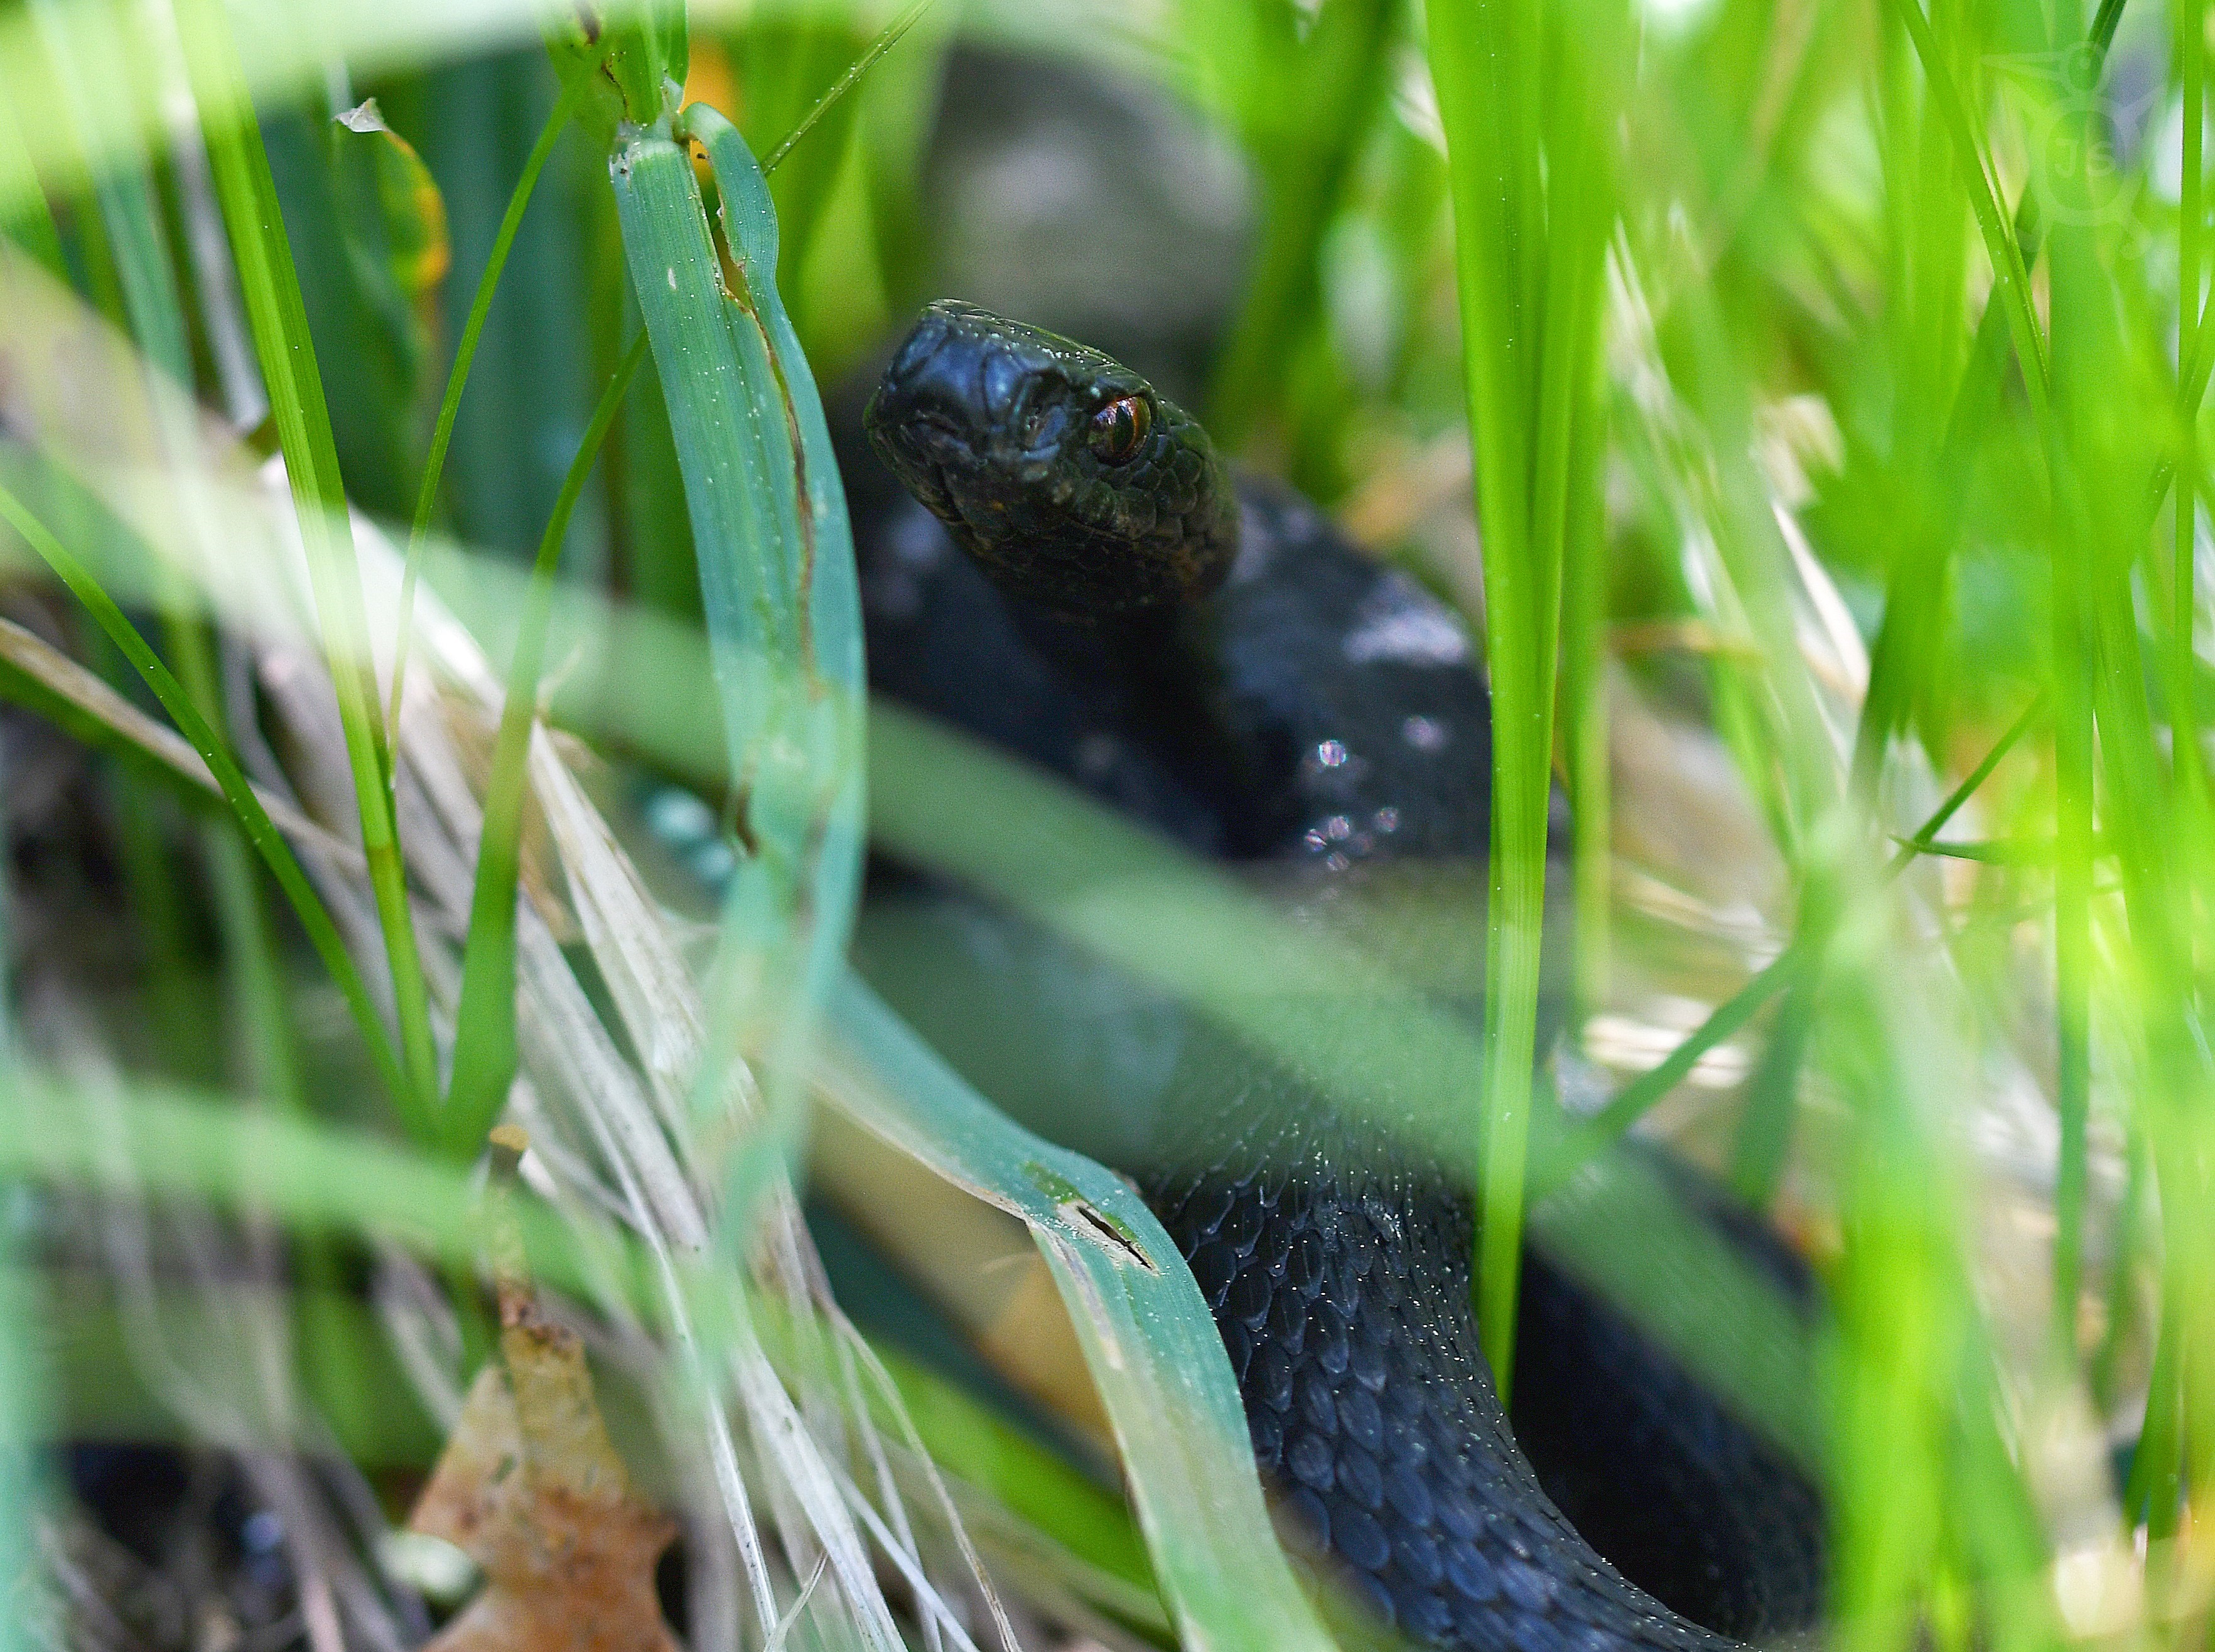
x=1057 y=468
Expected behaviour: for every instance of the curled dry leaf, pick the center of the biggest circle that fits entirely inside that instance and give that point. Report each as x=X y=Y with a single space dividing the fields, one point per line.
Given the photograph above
x=530 y=1487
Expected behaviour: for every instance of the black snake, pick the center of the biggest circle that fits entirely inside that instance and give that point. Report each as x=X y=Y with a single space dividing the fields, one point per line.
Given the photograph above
x=1209 y=656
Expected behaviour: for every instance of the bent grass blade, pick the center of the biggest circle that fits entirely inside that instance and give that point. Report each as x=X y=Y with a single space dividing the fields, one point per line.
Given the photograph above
x=1148 y=1339
x=782 y=609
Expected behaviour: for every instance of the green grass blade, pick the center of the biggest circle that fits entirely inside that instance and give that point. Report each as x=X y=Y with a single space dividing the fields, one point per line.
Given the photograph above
x=1529 y=165
x=25 y=1406
x=180 y=1143
x=2010 y=276
x=1584 y=663
x=1148 y=1339
x=2155 y=1488
x=1475 y=56
x=2072 y=948
x=1976 y=403
x=28 y=221
x=279 y=322
x=484 y=1027
x=2191 y=19
x=2082 y=358
x=831 y=594
x=458 y=378
x=154 y=304
x=1763 y=1143
x=777 y=581
x=1975 y=407
x=236 y=790
x=1308 y=89
x=886 y=40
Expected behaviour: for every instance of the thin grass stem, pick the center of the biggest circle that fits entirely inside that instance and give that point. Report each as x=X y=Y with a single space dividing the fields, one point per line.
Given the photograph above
x=277 y=315
x=458 y=378
x=886 y=38
x=2191 y=212
x=2010 y=274
x=485 y=1055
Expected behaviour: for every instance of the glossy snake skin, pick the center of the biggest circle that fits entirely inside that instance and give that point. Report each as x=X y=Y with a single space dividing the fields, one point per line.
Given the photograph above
x=1208 y=656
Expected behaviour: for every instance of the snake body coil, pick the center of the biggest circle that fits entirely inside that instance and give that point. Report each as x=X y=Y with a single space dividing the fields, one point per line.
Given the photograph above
x=1208 y=656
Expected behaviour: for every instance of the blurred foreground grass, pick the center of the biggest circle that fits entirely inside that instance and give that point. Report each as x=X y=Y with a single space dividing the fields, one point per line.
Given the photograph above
x=1825 y=380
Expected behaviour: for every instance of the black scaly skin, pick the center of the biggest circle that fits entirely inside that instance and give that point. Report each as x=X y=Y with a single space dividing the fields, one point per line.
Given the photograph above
x=992 y=435
x=1300 y=708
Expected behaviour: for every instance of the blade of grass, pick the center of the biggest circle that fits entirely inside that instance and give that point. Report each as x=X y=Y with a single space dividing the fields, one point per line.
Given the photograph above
x=2159 y=863
x=484 y=1026
x=782 y=612
x=831 y=594
x=795 y=72
x=1475 y=55
x=1924 y=273
x=2010 y=277
x=1976 y=396
x=778 y=585
x=1585 y=661
x=30 y=224
x=2083 y=357
x=2072 y=951
x=1529 y=177
x=279 y=322
x=886 y=38
x=2154 y=1492
x=458 y=378
x=1307 y=89
x=120 y=262
x=2077 y=287
x=2191 y=779
x=1761 y=1145
x=1572 y=441
x=1148 y=1339
x=181 y=1143
x=252 y=817
x=1976 y=401
x=26 y=1405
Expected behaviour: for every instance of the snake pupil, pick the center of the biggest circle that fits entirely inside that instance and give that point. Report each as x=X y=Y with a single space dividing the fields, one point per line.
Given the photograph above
x=1119 y=427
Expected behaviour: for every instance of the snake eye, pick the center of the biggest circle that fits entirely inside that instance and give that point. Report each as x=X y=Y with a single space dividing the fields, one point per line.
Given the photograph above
x=1119 y=427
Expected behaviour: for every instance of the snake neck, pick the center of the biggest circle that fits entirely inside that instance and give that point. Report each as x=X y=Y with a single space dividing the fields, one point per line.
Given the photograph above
x=1344 y=1304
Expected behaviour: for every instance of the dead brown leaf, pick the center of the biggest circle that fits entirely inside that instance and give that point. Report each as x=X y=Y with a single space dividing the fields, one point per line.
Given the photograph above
x=530 y=1487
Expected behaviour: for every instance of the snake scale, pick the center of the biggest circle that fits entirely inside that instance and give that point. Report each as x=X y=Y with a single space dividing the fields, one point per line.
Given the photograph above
x=1203 y=653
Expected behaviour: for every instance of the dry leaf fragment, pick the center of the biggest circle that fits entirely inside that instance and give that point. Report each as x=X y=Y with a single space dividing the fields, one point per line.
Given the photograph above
x=530 y=1487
